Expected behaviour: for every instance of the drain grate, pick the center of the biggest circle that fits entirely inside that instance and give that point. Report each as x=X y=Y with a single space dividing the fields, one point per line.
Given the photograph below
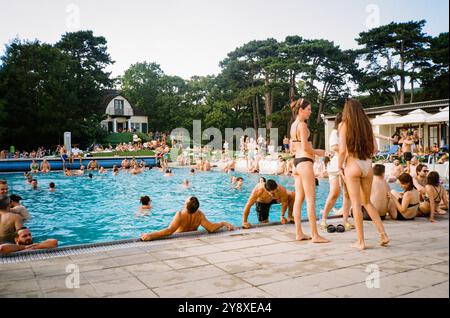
x=115 y=245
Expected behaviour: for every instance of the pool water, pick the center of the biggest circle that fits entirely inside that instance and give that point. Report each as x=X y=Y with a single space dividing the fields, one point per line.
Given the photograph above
x=105 y=208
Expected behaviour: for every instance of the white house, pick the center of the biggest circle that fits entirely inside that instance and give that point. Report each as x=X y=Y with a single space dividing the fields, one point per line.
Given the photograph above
x=121 y=115
x=424 y=116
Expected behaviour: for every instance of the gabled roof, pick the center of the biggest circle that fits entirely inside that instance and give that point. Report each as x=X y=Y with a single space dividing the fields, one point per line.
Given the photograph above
x=113 y=93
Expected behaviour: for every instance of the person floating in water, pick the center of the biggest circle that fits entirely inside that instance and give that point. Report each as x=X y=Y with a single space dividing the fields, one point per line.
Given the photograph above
x=239 y=183
x=146 y=206
x=186 y=220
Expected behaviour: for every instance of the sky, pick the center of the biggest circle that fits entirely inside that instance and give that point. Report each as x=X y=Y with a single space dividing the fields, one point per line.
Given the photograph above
x=191 y=37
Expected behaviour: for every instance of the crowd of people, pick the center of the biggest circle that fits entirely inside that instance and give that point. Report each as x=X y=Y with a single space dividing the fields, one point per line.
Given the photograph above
x=41 y=152
x=348 y=165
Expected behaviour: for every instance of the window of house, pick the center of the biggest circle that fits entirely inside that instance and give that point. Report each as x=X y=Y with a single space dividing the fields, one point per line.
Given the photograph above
x=118 y=107
x=135 y=127
x=444 y=135
x=433 y=135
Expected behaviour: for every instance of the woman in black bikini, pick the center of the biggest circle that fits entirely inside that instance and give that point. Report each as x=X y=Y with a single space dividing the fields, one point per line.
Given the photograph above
x=407 y=202
x=304 y=180
x=435 y=193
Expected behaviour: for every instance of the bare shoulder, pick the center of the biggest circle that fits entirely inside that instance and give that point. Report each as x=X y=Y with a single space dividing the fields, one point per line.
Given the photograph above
x=200 y=213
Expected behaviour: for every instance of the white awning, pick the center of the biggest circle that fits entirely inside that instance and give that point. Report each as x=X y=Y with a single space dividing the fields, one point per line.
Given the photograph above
x=442 y=116
x=385 y=119
x=414 y=117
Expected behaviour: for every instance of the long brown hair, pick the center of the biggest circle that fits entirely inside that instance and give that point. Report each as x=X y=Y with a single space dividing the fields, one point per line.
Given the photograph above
x=359 y=137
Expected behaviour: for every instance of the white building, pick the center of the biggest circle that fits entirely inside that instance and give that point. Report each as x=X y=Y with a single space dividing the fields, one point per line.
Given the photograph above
x=430 y=132
x=121 y=115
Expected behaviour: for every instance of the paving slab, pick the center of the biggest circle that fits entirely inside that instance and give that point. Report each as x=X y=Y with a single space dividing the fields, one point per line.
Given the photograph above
x=260 y=263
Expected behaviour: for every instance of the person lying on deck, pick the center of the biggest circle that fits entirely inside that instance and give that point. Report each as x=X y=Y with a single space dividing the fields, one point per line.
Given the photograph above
x=186 y=220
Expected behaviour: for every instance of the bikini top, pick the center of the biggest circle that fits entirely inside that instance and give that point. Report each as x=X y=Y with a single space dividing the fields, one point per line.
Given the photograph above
x=435 y=200
x=296 y=136
x=409 y=205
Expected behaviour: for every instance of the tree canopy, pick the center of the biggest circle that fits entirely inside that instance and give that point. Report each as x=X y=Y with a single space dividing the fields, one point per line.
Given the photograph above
x=48 y=89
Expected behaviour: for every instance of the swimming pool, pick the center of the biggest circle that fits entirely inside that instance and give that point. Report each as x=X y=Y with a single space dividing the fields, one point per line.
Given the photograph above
x=101 y=209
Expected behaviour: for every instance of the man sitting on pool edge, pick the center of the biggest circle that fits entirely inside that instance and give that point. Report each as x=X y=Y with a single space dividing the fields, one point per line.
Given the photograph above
x=266 y=194
x=186 y=220
x=24 y=241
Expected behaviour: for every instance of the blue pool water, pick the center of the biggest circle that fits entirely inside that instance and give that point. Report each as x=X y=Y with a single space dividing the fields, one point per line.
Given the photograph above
x=84 y=210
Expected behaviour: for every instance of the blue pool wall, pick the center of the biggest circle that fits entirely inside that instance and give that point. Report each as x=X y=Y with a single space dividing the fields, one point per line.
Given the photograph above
x=22 y=165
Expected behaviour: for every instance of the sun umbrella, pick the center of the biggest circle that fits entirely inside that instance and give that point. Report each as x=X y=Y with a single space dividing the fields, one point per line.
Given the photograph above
x=385 y=119
x=414 y=117
x=442 y=116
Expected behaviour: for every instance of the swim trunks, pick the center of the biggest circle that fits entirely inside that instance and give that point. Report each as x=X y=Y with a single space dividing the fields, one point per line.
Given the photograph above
x=262 y=209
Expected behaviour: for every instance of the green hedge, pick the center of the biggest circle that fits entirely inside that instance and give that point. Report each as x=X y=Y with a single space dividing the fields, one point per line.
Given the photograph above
x=124 y=153
x=117 y=138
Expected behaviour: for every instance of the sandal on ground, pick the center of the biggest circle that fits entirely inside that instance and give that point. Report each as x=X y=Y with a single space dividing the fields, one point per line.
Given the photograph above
x=323 y=225
x=349 y=226
x=331 y=228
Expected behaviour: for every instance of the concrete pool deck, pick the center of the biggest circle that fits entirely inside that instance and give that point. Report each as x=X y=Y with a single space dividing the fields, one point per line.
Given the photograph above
x=260 y=262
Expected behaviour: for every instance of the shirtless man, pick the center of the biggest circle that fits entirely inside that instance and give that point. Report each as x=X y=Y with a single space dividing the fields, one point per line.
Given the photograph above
x=133 y=162
x=413 y=166
x=407 y=149
x=420 y=181
x=397 y=170
x=80 y=172
x=380 y=194
x=186 y=220
x=17 y=208
x=264 y=195
x=24 y=241
x=135 y=169
x=125 y=164
x=34 y=184
x=9 y=222
x=239 y=183
x=64 y=157
x=206 y=166
x=68 y=172
x=3 y=187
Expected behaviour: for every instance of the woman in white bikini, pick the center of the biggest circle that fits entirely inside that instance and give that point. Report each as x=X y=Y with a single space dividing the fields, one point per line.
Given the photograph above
x=356 y=148
x=335 y=181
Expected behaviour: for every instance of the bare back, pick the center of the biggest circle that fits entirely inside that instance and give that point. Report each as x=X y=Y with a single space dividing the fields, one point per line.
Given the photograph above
x=9 y=224
x=189 y=221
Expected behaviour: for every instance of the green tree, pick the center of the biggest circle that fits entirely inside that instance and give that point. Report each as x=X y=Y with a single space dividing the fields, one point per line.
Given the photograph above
x=388 y=56
x=36 y=92
x=435 y=77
